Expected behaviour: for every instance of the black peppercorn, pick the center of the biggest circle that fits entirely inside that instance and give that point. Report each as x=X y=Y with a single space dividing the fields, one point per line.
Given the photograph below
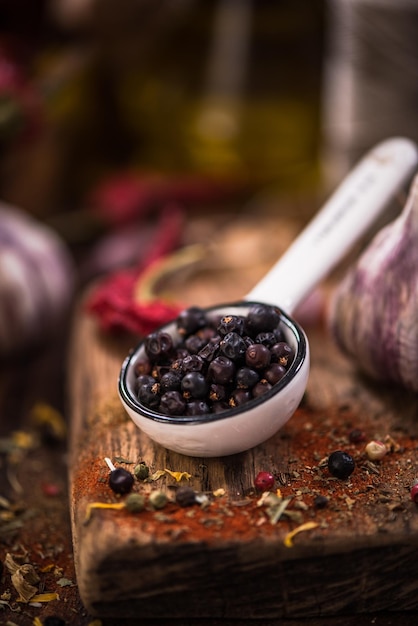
x=262 y=318
x=185 y=496
x=120 y=480
x=216 y=362
x=233 y=346
x=257 y=356
x=190 y=320
x=320 y=502
x=158 y=344
x=341 y=464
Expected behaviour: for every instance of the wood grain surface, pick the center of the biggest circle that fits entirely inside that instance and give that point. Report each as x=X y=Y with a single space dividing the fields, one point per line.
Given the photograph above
x=227 y=560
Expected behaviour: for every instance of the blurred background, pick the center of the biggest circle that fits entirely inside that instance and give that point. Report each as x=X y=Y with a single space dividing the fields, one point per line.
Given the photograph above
x=228 y=89
x=256 y=93
x=111 y=113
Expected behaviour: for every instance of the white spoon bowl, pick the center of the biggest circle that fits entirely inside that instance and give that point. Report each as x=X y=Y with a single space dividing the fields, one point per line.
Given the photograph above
x=367 y=190
x=233 y=430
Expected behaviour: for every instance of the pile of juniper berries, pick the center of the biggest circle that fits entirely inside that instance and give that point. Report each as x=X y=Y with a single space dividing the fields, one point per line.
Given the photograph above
x=220 y=362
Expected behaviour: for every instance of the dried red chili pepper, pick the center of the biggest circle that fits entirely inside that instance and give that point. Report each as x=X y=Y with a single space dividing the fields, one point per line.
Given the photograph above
x=115 y=302
x=116 y=309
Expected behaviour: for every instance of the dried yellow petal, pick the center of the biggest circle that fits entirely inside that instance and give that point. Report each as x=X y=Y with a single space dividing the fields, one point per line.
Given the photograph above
x=102 y=505
x=45 y=597
x=179 y=475
x=47 y=568
x=156 y=475
x=288 y=540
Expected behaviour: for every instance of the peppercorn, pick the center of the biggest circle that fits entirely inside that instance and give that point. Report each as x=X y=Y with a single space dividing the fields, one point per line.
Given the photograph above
x=341 y=464
x=375 y=450
x=194 y=385
x=268 y=339
x=257 y=356
x=236 y=352
x=190 y=320
x=264 y=481
x=197 y=407
x=158 y=499
x=172 y=403
x=282 y=353
x=261 y=318
x=221 y=370
x=246 y=378
x=320 y=502
x=356 y=435
x=274 y=373
x=185 y=496
x=141 y=471
x=120 y=480
x=233 y=346
x=170 y=381
x=158 y=344
x=231 y=323
x=135 y=502
x=261 y=387
x=414 y=493
x=239 y=397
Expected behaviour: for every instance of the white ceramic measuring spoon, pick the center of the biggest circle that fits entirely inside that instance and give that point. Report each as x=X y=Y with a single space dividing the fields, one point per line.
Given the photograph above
x=347 y=215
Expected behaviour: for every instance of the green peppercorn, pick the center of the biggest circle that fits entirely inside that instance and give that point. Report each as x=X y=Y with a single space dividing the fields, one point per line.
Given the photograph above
x=158 y=499
x=141 y=471
x=135 y=502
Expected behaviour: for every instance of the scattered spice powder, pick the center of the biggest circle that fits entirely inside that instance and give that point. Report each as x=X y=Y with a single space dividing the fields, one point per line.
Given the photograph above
x=304 y=487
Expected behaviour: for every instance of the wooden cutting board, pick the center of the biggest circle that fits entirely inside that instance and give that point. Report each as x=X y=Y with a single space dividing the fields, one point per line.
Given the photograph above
x=339 y=546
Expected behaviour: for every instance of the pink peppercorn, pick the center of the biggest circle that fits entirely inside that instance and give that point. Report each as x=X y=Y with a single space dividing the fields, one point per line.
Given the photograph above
x=51 y=489
x=356 y=435
x=264 y=481
x=414 y=493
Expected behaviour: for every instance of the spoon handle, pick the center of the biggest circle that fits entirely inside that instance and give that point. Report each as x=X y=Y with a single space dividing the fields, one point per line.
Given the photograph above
x=345 y=217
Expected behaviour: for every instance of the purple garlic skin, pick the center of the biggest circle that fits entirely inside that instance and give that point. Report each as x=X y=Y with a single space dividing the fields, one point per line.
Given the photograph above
x=36 y=280
x=374 y=311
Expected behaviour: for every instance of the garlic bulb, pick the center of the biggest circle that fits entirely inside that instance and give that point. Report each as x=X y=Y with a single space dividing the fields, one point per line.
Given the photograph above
x=374 y=311
x=36 y=280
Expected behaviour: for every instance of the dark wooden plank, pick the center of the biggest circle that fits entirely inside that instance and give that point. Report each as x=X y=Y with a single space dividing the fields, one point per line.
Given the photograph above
x=229 y=561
